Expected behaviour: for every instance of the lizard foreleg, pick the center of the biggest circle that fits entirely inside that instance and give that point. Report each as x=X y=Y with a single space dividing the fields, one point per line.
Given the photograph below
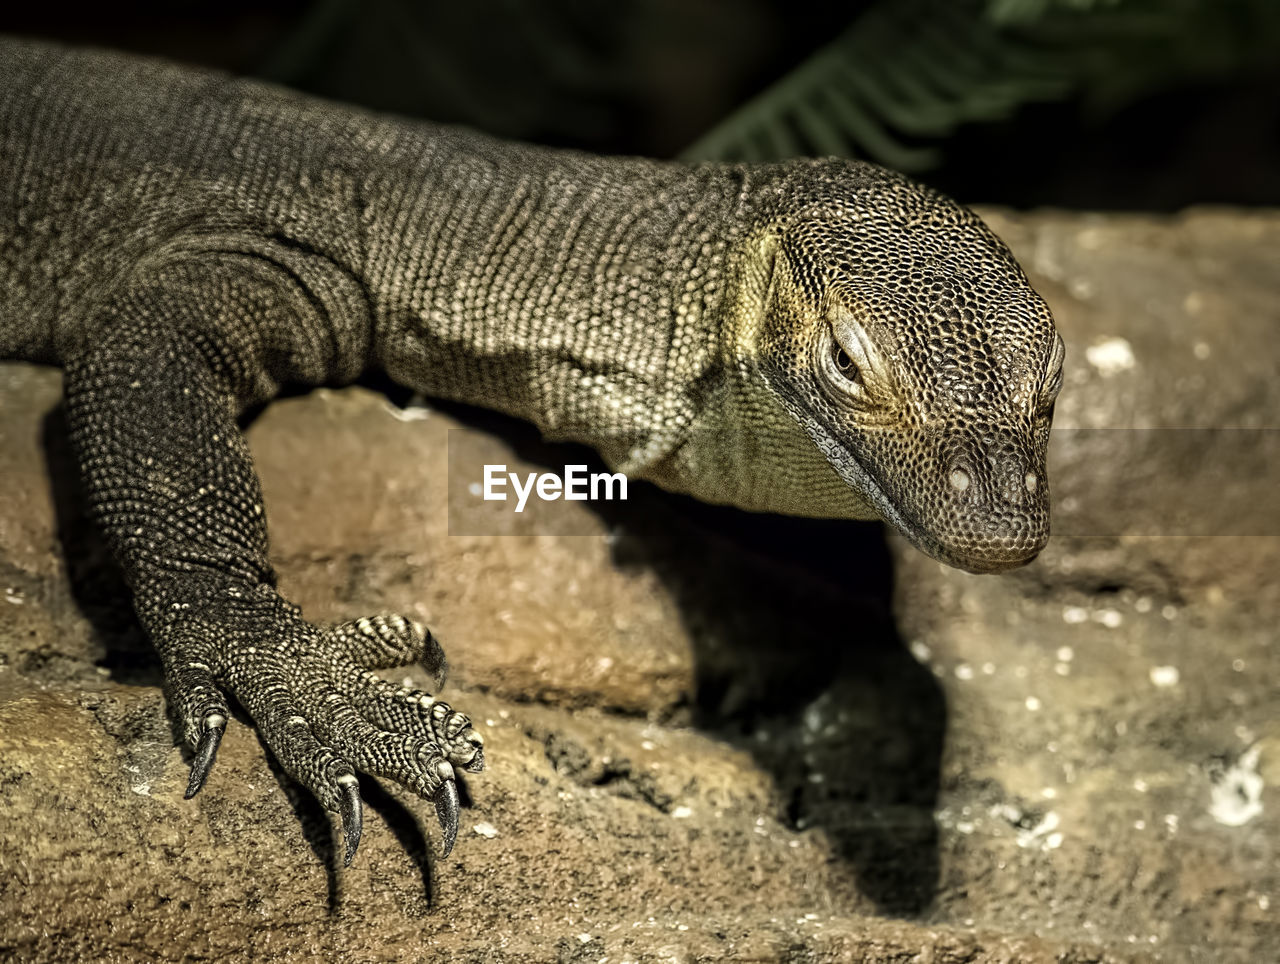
x=151 y=403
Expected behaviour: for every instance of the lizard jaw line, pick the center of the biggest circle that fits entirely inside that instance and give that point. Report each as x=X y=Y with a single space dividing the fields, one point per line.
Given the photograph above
x=848 y=467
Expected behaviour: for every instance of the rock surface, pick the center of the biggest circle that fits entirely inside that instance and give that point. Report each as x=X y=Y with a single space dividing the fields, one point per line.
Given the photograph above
x=714 y=736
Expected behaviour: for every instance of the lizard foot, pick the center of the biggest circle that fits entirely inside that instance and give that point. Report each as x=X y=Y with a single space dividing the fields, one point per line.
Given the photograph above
x=319 y=704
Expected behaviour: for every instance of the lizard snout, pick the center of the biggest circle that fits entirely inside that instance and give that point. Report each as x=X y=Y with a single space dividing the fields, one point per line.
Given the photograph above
x=994 y=509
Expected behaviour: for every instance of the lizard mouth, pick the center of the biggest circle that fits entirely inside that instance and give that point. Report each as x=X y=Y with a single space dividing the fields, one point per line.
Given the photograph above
x=991 y=557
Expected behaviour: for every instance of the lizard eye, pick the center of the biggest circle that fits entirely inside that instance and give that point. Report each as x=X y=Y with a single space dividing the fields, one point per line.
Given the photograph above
x=844 y=364
x=854 y=365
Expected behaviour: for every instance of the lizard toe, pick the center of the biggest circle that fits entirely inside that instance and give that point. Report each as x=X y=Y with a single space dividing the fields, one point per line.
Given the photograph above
x=418 y=765
x=198 y=707
x=386 y=642
x=404 y=709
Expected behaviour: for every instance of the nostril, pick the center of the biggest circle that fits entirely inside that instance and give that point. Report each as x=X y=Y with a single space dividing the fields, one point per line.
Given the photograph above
x=1031 y=480
x=959 y=479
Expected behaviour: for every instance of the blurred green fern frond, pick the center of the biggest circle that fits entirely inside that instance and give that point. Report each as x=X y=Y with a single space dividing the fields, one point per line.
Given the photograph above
x=906 y=73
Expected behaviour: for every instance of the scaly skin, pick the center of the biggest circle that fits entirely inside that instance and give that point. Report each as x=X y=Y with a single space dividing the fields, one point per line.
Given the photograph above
x=817 y=338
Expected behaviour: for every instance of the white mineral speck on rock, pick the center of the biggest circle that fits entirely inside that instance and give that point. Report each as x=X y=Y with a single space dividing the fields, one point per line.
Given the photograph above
x=1110 y=618
x=1042 y=835
x=1033 y=704
x=474 y=489
x=1164 y=676
x=920 y=651
x=1066 y=654
x=1110 y=356
x=1236 y=797
x=1006 y=811
x=682 y=813
x=964 y=671
x=1074 y=614
x=486 y=830
x=1082 y=289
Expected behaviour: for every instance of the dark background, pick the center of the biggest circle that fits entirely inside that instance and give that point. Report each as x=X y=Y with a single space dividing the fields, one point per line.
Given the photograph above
x=650 y=76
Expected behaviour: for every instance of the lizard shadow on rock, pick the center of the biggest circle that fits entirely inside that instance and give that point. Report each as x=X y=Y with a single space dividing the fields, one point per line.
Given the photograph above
x=797 y=660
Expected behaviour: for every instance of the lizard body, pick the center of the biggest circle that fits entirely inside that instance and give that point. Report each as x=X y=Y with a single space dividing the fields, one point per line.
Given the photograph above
x=819 y=338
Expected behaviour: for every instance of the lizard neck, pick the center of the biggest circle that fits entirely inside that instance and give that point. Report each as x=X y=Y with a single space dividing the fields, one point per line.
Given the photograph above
x=743 y=447
x=611 y=301
x=581 y=293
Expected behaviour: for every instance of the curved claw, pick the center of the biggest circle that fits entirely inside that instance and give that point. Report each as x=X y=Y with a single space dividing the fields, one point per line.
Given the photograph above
x=206 y=750
x=446 y=801
x=352 y=818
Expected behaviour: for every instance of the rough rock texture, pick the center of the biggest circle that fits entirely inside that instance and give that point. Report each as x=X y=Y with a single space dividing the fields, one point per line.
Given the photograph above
x=714 y=736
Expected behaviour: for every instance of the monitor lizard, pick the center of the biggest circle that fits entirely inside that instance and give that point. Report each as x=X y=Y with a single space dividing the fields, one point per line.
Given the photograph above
x=815 y=337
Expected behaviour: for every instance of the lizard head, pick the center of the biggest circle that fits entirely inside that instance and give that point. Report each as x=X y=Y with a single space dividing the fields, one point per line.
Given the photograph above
x=901 y=334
